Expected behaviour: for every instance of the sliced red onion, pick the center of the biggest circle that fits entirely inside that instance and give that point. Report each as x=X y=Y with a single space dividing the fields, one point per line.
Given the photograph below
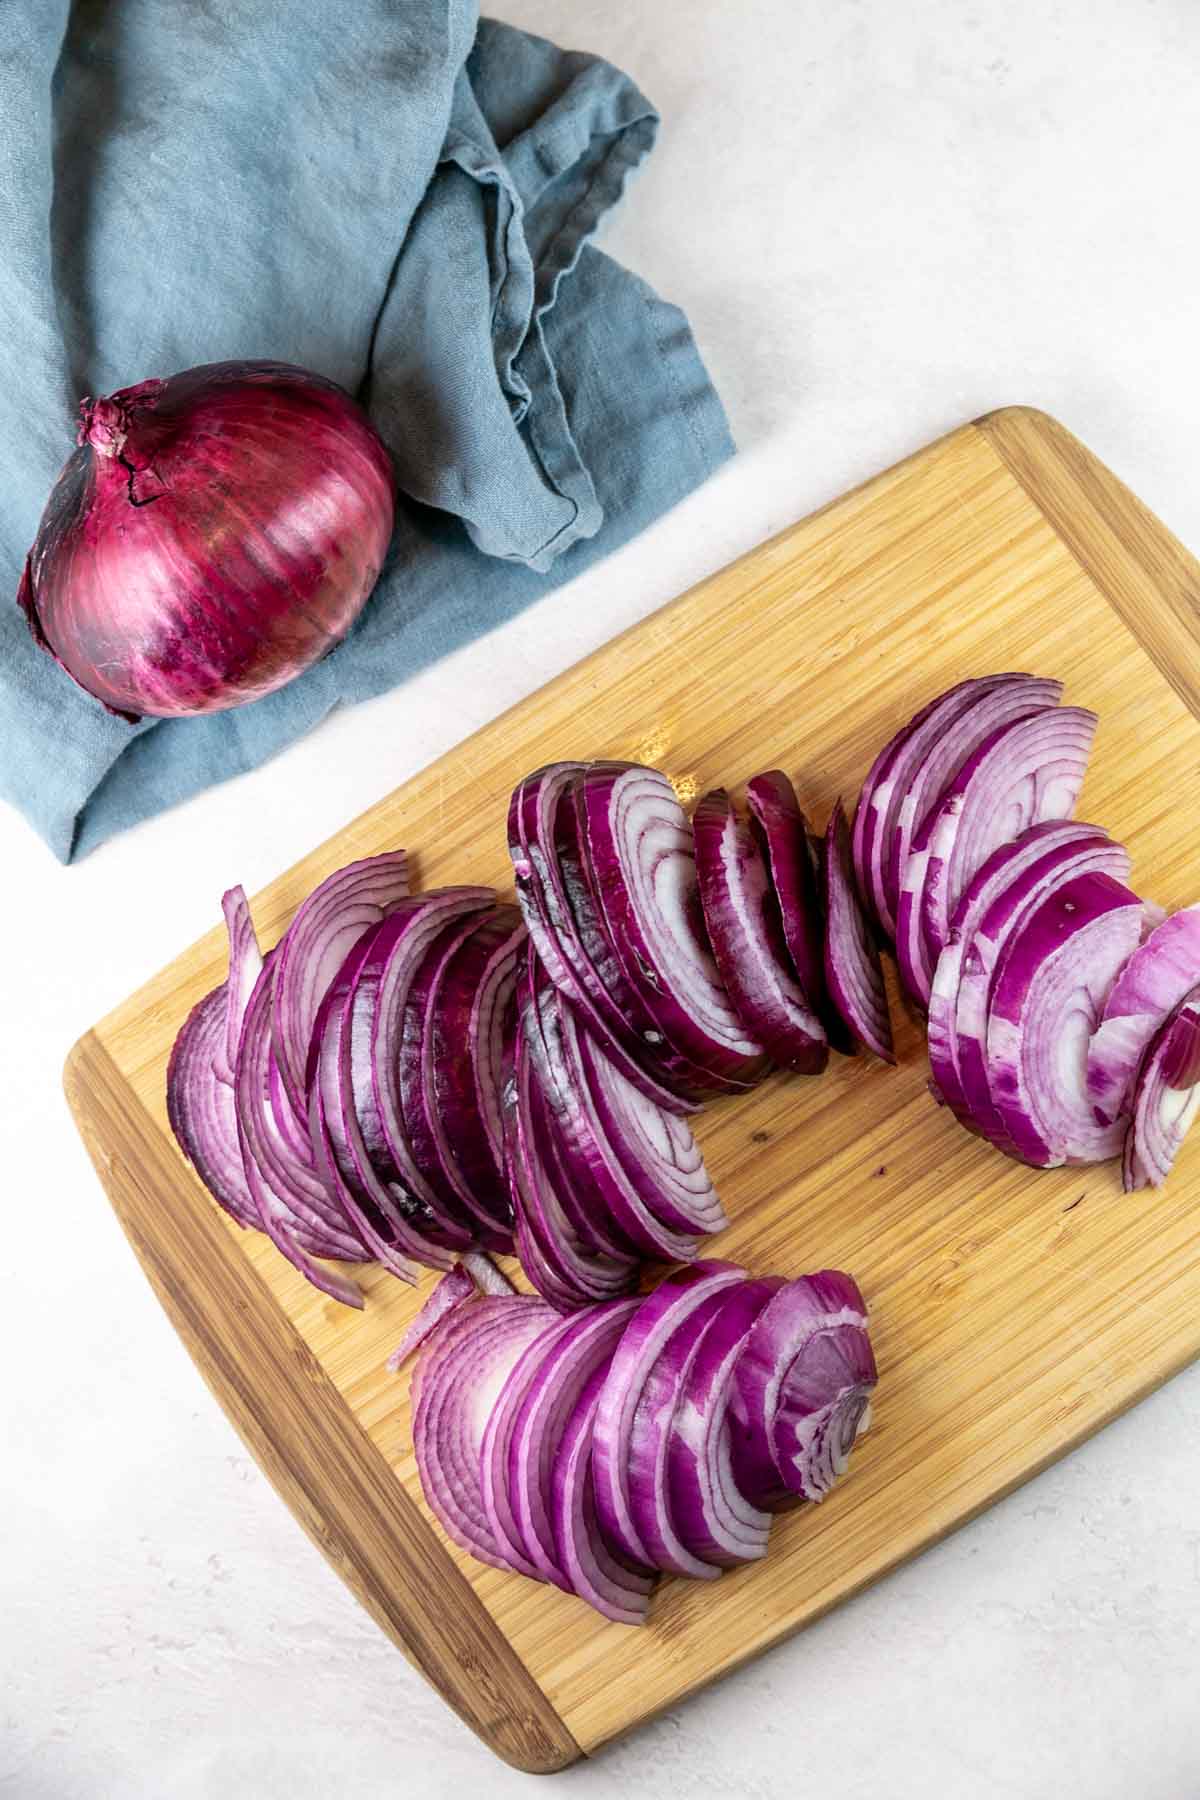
x=802 y=1386
x=560 y=1261
x=1031 y=879
x=790 y=849
x=201 y=1108
x=909 y=773
x=617 y=1590
x=1048 y=993
x=649 y=1494
x=486 y=1276
x=459 y=1378
x=1034 y=850
x=449 y=1292
x=584 y=1350
x=373 y=1049
x=473 y=1010
x=641 y=857
x=547 y=867
x=853 y=970
x=495 y=1449
x=636 y=1189
x=314 y=947
x=715 y=1520
x=1027 y=770
x=747 y=939
x=245 y=967
x=1166 y=1097
x=392 y=1222
x=426 y=1136
x=1162 y=970
x=660 y=1315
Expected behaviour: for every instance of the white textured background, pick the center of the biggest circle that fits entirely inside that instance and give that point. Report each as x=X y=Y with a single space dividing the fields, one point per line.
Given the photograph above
x=884 y=217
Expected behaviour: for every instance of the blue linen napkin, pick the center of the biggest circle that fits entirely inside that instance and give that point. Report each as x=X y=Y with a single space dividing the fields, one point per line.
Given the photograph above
x=393 y=193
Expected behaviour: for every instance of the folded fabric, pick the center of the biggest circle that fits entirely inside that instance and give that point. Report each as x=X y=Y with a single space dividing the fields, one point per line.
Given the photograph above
x=399 y=197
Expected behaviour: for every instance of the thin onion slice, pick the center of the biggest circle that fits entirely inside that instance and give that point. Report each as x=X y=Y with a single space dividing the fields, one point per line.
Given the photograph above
x=714 y=1518
x=449 y=1292
x=746 y=934
x=790 y=849
x=635 y=1190
x=1048 y=993
x=852 y=967
x=459 y=1378
x=641 y=857
x=495 y=1448
x=660 y=1315
x=314 y=947
x=1033 y=873
x=617 y=1590
x=1035 y=850
x=1166 y=1097
x=470 y=1015
x=202 y=1111
x=802 y=1388
x=1161 y=972
x=1027 y=769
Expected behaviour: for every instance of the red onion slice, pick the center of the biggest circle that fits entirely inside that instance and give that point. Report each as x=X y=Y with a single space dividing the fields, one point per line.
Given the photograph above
x=583 y=1350
x=1034 y=850
x=1032 y=880
x=486 y=1276
x=460 y=1377
x=373 y=1050
x=314 y=947
x=784 y=838
x=449 y=1292
x=245 y=967
x=642 y=863
x=201 y=1108
x=544 y=846
x=1160 y=973
x=853 y=970
x=472 y=1011
x=747 y=939
x=934 y=755
x=616 y=1590
x=1028 y=769
x=801 y=1390
x=556 y=1253
x=495 y=1449
x=425 y=1134
x=660 y=1315
x=391 y=1219
x=1048 y=993
x=590 y=1120
x=1166 y=1097
x=715 y=1520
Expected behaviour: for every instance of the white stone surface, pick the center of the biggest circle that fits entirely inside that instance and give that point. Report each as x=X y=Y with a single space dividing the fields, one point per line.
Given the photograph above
x=884 y=217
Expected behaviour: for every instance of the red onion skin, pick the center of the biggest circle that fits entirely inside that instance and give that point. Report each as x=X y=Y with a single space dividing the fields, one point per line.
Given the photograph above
x=214 y=534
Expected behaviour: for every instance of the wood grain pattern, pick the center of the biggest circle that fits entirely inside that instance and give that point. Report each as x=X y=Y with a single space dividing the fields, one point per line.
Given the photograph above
x=1014 y=1312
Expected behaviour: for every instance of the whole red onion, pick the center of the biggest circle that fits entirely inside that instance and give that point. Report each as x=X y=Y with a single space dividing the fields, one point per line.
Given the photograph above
x=214 y=535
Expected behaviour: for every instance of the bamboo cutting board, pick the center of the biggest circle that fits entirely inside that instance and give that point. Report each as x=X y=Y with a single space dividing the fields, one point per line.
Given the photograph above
x=1013 y=1312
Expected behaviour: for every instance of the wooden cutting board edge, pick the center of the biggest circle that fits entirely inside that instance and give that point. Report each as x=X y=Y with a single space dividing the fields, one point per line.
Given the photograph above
x=290 y=1415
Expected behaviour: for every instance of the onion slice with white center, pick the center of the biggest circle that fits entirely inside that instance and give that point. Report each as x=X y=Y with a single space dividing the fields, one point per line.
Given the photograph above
x=746 y=933
x=1038 y=852
x=713 y=1518
x=618 y=1590
x=1025 y=771
x=853 y=970
x=458 y=1380
x=658 y=1318
x=1048 y=993
x=1158 y=976
x=1033 y=874
x=314 y=947
x=641 y=858
x=802 y=1388
x=1166 y=1097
